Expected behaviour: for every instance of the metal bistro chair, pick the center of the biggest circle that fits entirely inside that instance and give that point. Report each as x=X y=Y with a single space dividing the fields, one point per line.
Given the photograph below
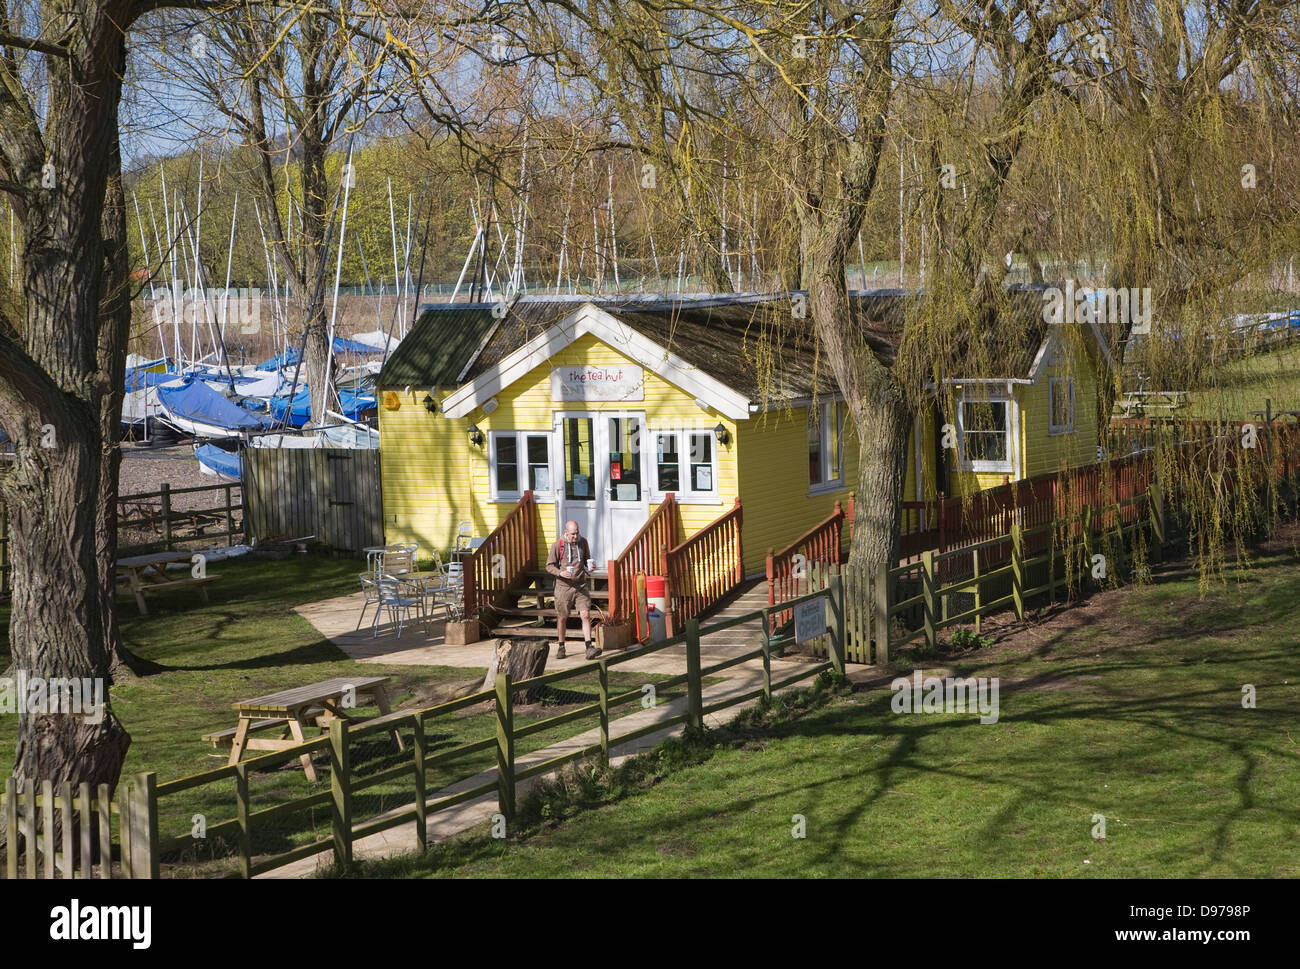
x=464 y=535
x=370 y=586
x=400 y=558
x=451 y=591
x=392 y=600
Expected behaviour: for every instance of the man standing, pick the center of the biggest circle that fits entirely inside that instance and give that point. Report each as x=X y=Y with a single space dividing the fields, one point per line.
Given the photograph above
x=567 y=561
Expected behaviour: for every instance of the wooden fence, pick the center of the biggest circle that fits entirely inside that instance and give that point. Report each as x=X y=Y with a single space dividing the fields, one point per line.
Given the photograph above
x=143 y=805
x=84 y=818
x=332 y=494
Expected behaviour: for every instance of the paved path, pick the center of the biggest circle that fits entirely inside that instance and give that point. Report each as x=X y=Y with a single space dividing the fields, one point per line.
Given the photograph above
x=336 y=619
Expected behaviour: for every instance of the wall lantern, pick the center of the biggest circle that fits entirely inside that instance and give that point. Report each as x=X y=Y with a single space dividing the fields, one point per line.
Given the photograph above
x=475 y=435
x=430 y=404
x=721 y=434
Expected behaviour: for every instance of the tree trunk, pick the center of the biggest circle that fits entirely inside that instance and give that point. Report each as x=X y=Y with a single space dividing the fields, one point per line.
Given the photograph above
x=51 y=395
x=522 y=659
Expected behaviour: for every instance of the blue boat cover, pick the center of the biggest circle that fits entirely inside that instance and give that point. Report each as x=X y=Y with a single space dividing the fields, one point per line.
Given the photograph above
x=223 y=462
x=196 y=401
x=140 y=378
x=341 y=345
x=353 y=403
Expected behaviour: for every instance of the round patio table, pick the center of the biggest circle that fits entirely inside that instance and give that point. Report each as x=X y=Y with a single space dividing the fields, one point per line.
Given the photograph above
x=421 y=581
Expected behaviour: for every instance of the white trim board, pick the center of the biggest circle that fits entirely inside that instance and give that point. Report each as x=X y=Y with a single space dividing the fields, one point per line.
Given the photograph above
x=590 y=318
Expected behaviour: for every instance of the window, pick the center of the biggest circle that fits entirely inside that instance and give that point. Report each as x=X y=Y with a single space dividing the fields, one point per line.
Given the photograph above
x=686 y=464
x=825 y=447
x=1061 y=393
x=984 y=428
x=518 y=457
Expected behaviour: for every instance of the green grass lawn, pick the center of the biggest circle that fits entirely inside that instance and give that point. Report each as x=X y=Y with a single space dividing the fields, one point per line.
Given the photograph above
x=1242 y=385
x=249 y=642
x=1127 y=706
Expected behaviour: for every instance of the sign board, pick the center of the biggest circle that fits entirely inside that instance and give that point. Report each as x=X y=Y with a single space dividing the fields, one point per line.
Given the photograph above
x=597 y=382
x=810 y=619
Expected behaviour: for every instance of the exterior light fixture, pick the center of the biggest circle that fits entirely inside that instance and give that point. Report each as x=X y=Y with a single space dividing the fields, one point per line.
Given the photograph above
x=722 y=434
x=475 y=435
x=430 y=404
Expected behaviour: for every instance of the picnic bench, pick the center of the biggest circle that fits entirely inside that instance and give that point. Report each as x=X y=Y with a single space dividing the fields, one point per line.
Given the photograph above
x=147 y=575
x=292 y=711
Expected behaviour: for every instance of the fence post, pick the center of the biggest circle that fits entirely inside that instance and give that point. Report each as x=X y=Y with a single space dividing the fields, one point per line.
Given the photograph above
x=836 y=586
x=603 y=673
x=767 y=655
x=927 y=588
x=11 y=828
x=880 y=609
x=341 y=792
x=979 y=599
x=505 y=746
x=124 y=828
x=167 y=514
x=245 y=826
x=694 y=695
x=105 y=833
x=65 y=809
x=421 y=745
x=144 y=826
x=1156 y=508
x=1017 y=567
x=230 y=518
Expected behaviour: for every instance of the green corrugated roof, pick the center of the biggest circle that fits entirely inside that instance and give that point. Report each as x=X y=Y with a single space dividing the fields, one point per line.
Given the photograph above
x=434 y=353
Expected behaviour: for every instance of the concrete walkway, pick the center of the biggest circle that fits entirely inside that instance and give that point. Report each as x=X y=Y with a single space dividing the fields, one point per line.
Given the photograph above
x=336 y=619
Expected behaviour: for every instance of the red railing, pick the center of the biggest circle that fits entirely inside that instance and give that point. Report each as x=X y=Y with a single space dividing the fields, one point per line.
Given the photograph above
x=515 y=539
x=787 y=570
x=642 y=554
x=703 y=569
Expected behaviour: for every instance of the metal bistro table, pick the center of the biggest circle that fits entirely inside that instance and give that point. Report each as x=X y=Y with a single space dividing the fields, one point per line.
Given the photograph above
x=293 y=709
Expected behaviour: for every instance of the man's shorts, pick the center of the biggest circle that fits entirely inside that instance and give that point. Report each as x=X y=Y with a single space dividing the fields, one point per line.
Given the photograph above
x=569 y=595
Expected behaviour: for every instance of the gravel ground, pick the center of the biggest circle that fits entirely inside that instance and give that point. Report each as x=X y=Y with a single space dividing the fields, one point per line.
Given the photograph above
x=145 y=468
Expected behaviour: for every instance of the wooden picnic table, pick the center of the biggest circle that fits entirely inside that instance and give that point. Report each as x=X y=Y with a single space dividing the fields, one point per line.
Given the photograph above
x=295 y=709
x=147 y=574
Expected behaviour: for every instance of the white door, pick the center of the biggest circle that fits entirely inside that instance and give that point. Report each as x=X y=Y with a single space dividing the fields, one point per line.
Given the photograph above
x=602 y=486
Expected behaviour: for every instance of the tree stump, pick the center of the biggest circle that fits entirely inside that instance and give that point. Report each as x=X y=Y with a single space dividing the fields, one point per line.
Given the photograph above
x=522 y=659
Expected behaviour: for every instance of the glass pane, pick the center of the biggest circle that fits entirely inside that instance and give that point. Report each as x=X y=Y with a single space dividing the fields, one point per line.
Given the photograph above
x=669 y=466
x=702 y=462
x=625 y=458
x=507 y=460
x=539 y=462
x=985 y=423
x=579 y=459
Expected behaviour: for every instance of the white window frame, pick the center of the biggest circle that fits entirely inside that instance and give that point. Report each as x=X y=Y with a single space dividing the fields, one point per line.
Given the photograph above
x=829 y=482
x=988 y=467
x=521 y=451
x=685 y=496
x=1067 y=428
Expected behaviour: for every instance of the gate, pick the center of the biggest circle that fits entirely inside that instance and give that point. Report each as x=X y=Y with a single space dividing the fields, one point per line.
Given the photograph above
x=330 y=493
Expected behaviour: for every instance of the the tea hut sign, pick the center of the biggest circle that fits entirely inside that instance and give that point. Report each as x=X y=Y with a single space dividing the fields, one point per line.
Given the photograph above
x=596 y=382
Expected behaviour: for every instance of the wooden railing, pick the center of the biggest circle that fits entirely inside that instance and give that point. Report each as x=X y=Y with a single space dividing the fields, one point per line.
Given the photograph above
x=788 y=569
x=702 y=569
x=642 y=554
x=487 y=579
